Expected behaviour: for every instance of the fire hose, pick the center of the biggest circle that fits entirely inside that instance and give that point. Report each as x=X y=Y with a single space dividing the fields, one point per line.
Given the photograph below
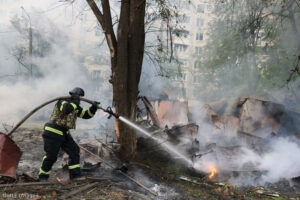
x=107 y=110
x=5 y=140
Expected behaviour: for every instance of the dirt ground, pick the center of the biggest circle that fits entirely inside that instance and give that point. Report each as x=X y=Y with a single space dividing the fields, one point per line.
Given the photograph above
x=155 y=171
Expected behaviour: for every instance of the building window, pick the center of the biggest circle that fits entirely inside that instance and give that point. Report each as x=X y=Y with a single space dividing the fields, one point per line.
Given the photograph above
x=101 y=60
x=182 y=33
x=96 y=74
x=209 y=7
x=199 y=36
x=200 y=8
x=183 y=62
x=197 y=79
x=180 y=77
x=97 y=59
x=197 y=64
x=180 y=47
x=198 y=51
x=200 y=22
x=184 y=19
x=197 y=92
x=184 y=4
x=98 y=32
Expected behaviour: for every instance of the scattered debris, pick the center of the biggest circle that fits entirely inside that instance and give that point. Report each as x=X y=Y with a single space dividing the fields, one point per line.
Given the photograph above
x=179 y=131
x=225 y=124
x=90 y=164
x=172 y=113
x=261 y=190
x=260 y=117
x=247 y=121
x=10 y=155
x=76 y=191
x=124 y=174
x=30 y=183
x=226 y=190
x=244 y=120
x=219 y=106
x=183 y=178
x=30 y=176
x=151 y=111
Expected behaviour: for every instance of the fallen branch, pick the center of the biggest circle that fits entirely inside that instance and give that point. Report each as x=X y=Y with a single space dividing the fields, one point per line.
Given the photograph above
x=76 y=191
x=132 y=179
x=92 y=179
x=195 y=182
x=250 y=135
x=28 y=184
x=151 y=111
x=52 y=182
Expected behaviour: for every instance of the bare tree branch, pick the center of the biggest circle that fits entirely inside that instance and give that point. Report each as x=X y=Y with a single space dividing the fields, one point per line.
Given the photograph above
x=109 y=26
x=106 y=23
x=7 y=75
x=295 y=70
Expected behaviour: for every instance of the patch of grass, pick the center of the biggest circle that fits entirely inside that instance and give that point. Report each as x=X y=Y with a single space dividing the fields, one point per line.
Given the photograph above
x=279 y=198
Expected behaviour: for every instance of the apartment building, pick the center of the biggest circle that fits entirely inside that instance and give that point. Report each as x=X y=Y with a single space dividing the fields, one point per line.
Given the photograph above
x=188 y=47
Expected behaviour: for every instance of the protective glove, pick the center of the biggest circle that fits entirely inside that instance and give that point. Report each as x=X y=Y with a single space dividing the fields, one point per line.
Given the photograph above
x=96 y=104
x=75 y=98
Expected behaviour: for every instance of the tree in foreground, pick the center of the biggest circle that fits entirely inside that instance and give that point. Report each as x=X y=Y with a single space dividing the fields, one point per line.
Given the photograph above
x=127 y=53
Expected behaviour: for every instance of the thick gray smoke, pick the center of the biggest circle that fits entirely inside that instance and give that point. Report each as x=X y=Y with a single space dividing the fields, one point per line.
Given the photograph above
x=57 y=64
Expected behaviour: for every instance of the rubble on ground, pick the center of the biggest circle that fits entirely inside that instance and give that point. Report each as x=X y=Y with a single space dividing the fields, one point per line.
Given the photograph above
x=244 y=121
x=250 y=122
x=99 y=164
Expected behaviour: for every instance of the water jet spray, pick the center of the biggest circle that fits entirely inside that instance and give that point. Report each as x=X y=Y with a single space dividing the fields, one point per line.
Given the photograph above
x=167 y=146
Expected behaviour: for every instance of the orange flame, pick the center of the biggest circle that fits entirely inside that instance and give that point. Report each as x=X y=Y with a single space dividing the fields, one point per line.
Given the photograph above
x=213 y=171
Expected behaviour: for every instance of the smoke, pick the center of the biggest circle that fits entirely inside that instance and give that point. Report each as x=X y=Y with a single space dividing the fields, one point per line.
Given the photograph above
x=267 y=160
x=61 y=73
x=229 y=71
x=231 y=75
x=151 y=84
x=57 y=61
x=278 y=161
x=61 y=69
x=282 y=162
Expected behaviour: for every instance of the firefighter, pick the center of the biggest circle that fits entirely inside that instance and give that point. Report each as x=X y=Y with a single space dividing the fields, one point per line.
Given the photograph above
x=57 y=135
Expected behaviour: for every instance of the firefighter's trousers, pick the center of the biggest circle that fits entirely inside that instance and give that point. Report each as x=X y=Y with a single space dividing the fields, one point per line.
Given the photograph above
x=53 y=141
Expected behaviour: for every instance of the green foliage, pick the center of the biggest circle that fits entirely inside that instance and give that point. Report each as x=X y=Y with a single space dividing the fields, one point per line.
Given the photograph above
x=252 y=45
x=279 y=198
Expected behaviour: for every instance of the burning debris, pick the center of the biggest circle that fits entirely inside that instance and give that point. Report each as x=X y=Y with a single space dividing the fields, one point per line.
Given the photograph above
x=250 y=124
x=178 y=132
x=247 y=124
x=183 y=142
x=213 y=171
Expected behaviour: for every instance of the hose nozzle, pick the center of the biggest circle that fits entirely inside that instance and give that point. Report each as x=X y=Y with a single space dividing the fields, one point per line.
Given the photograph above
x=110 y=112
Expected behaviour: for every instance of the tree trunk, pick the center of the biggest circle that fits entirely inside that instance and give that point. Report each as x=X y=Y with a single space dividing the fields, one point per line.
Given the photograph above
x=126 y=63
x=126 y=73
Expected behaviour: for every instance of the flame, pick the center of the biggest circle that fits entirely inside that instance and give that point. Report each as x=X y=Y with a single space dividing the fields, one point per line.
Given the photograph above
x=213 y=171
